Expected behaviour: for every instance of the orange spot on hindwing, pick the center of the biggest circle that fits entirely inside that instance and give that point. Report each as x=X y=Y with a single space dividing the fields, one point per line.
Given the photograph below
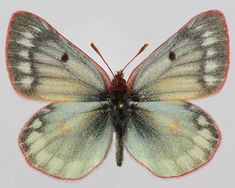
x=175 y=126
x=64 y=128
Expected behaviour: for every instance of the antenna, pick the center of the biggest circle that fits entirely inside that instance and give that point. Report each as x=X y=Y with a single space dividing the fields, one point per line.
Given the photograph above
x=140 y=51
x=98 y=52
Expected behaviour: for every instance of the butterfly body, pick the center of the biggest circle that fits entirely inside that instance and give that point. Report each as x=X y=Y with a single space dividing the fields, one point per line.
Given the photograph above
x=118 y=95
x=149 y=113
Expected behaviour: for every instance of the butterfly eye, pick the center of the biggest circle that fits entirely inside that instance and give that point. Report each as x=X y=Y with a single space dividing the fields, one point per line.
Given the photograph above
x=65 y=57
x=172 y=56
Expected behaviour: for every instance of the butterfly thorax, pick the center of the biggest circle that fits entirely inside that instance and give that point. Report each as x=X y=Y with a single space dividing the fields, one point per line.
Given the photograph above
x=118 y=93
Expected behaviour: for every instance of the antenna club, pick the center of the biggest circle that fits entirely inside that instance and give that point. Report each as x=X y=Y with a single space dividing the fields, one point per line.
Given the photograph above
x=143 y=48
x=140 y=51
x=94 y=47
x=98 y=52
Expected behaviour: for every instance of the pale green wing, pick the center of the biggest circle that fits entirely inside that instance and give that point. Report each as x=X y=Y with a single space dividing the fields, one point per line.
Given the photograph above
x=171 y=138
x=191 y=64
x=67 y=140
x=44 y=65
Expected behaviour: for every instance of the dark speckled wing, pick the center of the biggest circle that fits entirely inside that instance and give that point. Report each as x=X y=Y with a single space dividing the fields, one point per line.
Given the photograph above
x=171 y=138
x=44 y=65
x=70 y=137
x=168 y=136
x=191 y=64
x=67 y=140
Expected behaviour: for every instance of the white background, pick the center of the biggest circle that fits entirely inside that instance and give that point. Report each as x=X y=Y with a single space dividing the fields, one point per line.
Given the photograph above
x=119 y=29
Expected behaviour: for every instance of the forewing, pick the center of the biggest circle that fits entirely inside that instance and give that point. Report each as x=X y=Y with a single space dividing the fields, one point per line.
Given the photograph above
x=44 y=65
x=67 y=140
x=191 y=64
x=171 y=138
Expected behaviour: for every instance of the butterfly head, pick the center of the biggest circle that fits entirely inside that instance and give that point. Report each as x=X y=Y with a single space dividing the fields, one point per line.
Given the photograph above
x=118 y=83
x=119 y=74
x=118 y=89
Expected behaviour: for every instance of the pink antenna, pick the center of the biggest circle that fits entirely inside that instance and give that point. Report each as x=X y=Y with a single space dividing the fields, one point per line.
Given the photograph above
x=98 y=52
x=140 y=51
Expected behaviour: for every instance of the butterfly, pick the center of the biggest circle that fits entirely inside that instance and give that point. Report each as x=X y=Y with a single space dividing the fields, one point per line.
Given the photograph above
x=148 y=113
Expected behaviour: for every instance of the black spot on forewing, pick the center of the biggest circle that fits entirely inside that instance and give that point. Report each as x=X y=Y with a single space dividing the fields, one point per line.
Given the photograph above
x=172 y=56
x=64 y=57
